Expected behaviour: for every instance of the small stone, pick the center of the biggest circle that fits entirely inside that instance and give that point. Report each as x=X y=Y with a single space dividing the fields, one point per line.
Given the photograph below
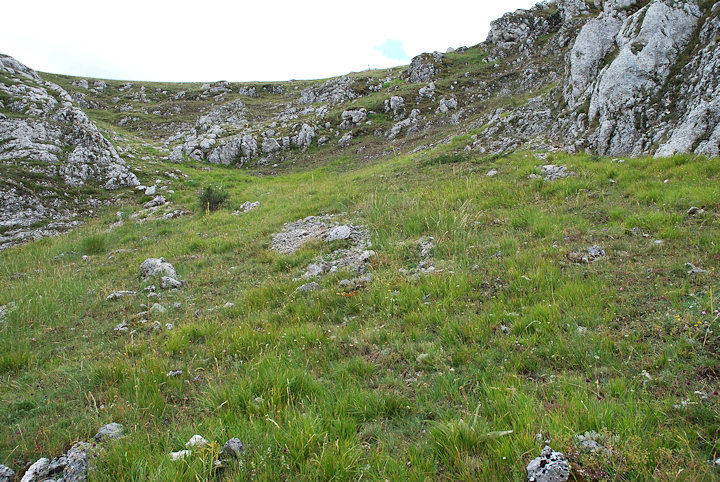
x=692 y=269
x=492 y=173
x=169 y=326
x=110 y=431
x=177 y=305
x=123 y=326
x=150 y=191
x=233 y=448
x=694 y=210
x=228 y=305
x=196 y=441
x=157 y=308
x=174 y=373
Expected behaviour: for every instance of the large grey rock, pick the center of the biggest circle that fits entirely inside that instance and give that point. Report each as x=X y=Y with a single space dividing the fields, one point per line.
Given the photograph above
x=153 y=267
x=550 y=466
x=38 y=471
x=352 y=118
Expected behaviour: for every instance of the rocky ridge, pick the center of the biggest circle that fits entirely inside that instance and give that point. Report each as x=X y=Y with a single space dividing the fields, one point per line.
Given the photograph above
x=47 y=146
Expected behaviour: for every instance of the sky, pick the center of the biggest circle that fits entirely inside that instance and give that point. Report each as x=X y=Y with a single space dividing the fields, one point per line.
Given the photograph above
x=262 y=40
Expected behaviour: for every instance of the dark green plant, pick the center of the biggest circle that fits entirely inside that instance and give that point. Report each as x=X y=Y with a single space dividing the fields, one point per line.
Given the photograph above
x=212 y=197
x=93 y=244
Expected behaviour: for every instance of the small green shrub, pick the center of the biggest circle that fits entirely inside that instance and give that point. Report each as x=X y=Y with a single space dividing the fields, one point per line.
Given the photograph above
x=447 y=159
x=212 y=197
x=93 y=244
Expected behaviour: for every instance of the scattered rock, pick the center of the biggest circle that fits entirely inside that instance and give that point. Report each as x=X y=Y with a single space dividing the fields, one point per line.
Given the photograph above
x=109 y=432
x=174 y=373
x=157 y=308
x=550 y=466
x=588 y=256
x=308 y=287
x=552 y=172
x=492 y=173
x=116 y=295
x=694 y=211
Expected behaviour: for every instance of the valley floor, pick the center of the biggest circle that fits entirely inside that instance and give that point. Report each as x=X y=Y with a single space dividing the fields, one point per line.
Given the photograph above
x=419 y=374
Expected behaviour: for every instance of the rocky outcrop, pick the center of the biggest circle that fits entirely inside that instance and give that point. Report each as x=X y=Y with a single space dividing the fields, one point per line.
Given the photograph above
x=47 y=146
x=632 y=71
x=425 y=67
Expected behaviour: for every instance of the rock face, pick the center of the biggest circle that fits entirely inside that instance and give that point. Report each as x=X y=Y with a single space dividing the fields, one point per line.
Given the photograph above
x=46 y=141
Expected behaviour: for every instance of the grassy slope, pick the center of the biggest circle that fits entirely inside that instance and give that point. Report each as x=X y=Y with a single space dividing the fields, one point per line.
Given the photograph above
x=406 y=378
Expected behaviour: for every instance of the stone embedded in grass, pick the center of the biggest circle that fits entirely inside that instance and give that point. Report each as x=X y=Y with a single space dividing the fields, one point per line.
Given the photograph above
x=692 y=269
x=589 y=442
x=233 y=448
x=116 y=295
x=155 y=202
x=551 y=172
x=174 y=373
x=157 y=308
x=179 y=455
x=308 y=287
x=246 y=207
x=492 y=173
x=196 y=441
x=150 y=191
x=122 y=326
x=6 y=474
x=551 y=466
x=694 y=210
x=587 y=256
x=167 y=283
x=110 y=431
x=157 y=267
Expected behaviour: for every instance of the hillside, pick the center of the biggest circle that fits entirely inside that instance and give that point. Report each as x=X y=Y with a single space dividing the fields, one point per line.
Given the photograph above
x=426 y=272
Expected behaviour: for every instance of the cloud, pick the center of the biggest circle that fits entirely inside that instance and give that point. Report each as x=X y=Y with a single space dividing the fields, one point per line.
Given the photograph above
x=393 y=49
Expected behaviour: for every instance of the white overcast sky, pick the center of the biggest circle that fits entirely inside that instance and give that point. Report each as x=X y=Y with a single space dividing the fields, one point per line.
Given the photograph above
x=212 y=40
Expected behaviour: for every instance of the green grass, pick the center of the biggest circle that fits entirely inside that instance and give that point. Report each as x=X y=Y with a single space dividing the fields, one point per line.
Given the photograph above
x=409 y=378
